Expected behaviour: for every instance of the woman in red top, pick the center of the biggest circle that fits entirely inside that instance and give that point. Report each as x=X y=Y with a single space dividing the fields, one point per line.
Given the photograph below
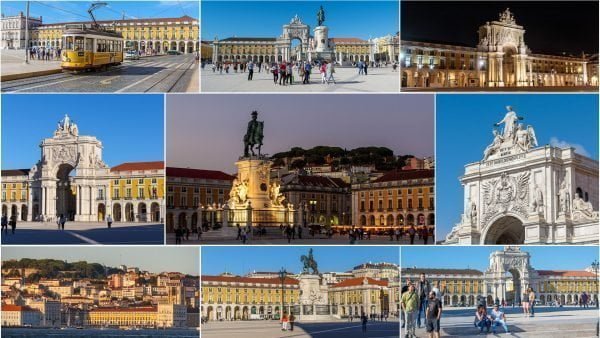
x=282 y=73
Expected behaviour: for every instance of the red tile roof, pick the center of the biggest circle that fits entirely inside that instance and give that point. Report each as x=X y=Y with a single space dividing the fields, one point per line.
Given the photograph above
x=399 y=175
x=15 y=172
x=12 y=307
x=129 y=166
x=237 y=279
x=199 y=173
x=126 y=309
x=566 y=273
x=180 y=19
x=359 y=281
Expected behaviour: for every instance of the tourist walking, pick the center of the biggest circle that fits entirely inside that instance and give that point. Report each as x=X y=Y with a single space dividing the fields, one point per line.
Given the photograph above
x=61 y=222
x=13 y=223
x=4 y=222
x=423 y=290
x=330 y=70
x=291 y=320
x=284 y=322
x=282 y=74
x=402 y=292
x=250 y=70
x=239 y=232
x=360 y=67
x=307 y=69
x=109 y=221
x=531 y=296
x=498 y=319
x=409 y=304
x=411 y=234
x=364 y=321
x=525 y=304
x=366 y=66
x=178 y=235
x=433 y=313
x=323 y=71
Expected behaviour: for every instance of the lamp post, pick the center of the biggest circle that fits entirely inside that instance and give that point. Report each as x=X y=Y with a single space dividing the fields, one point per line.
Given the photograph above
x=282 y=275
x=595 y=268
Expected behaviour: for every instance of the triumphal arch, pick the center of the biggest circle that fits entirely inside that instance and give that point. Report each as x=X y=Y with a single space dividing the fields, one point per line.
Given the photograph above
x=524 y=193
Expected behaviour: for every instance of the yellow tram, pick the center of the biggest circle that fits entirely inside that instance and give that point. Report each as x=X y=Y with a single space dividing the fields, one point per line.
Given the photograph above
x=87 y=48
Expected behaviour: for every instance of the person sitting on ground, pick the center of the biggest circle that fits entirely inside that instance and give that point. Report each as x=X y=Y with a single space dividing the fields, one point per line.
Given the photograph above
x=482 y=320
x=498 y=319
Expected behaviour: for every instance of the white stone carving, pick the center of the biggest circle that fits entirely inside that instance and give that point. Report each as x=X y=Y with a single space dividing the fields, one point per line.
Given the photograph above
x=512 y=139
x=66 y=127
x=583 y=210
x=507 y=17
x=505 y=194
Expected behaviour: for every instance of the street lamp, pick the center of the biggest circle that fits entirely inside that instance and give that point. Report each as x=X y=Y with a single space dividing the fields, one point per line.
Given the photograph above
x=595 y=268
x=282 y=275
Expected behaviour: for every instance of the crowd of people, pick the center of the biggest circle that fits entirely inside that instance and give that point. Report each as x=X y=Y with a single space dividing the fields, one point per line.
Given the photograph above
x=44 y=54
x=288 y=73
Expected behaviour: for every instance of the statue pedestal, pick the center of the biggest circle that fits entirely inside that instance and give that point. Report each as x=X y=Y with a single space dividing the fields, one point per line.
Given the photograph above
x=313 y=299
x=323 y=50
x=255 y=171
x=258 y=206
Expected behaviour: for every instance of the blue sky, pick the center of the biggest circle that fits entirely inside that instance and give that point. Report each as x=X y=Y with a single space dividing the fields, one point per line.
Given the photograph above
x=359 y=19
x=464 y=128
x=477 y=257
x=151 y=258
x=130 y=127
x=65 y=11
x=241 y=260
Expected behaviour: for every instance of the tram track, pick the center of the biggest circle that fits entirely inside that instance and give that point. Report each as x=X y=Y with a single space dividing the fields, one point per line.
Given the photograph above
x=173 y=74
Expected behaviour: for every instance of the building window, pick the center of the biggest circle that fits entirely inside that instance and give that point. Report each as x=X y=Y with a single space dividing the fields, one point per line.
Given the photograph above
x=141 y=181
x=128 y=181
x=410 y=203
x=128 y=193
x=184 y=201
x=140 y=192
x=116 y=182
x=116 y=193
x=184 y=189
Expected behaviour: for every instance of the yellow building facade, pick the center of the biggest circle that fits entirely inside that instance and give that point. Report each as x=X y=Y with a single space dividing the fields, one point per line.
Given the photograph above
x=399 y=198
x=194 y=197
x=227 y=297
x=157 y=35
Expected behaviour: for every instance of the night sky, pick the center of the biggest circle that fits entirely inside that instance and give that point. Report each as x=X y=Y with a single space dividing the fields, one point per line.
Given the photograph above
x=550 y=27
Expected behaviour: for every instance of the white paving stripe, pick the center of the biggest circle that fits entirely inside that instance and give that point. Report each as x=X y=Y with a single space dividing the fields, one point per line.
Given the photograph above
x=138 y=82
x=83 y=238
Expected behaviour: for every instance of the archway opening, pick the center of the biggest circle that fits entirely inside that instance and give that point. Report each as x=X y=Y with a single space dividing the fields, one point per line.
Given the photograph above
x=508 y=65
x=506 y=230
x=155 y=210
x=129 y=214
x=296 y=52
x=142 y=212
x=513 y=287
x=101 y=212
x=117 y=212
x=66 y=195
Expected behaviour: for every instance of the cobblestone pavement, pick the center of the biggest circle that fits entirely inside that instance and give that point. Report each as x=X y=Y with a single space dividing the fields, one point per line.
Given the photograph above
x=272 y=329
x=347 y=80
x=549 y=322
x=85 y=233
x=158 y=74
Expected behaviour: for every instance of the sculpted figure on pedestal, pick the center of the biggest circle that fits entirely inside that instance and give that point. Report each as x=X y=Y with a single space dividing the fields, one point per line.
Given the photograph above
x=254 y=135
x=564 y=197
x=320 y=16
x=510 y=124
x=583 y=209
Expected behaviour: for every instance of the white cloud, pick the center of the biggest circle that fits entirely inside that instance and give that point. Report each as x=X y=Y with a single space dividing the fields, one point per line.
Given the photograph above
x=554 y=141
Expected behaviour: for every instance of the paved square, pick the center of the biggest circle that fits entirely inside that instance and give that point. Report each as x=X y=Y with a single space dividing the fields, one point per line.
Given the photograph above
x=548 y=322
x=272 y=329
x=85 y=233
x=382 y=79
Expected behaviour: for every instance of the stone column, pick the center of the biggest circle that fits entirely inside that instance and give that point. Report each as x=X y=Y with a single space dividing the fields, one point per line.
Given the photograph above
x=585 y=76
x=30 y=204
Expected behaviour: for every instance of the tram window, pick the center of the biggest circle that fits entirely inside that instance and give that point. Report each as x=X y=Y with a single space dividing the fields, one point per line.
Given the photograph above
x=101 y=45
x=89 y=44
x=69 y=42
x=79 y=43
